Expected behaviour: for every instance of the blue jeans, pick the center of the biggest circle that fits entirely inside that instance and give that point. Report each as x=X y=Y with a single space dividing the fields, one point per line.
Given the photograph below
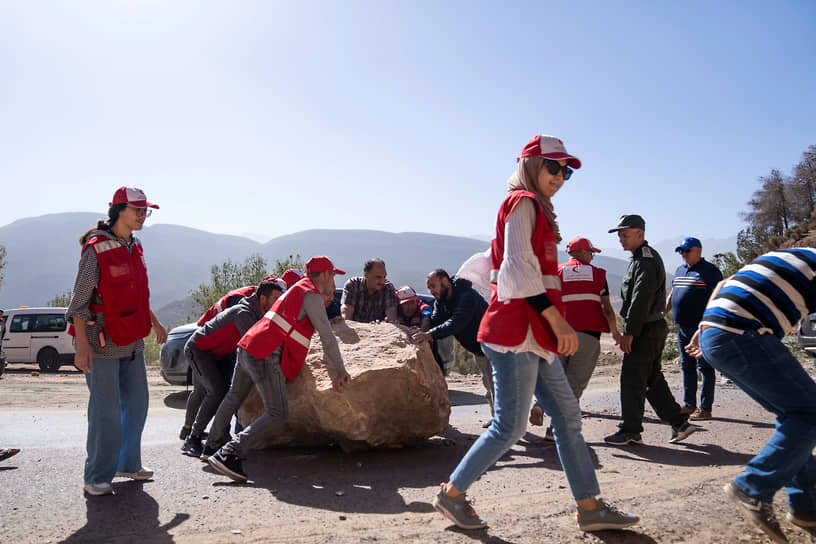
x=765 y=369
x=516 y=376
x=690 y=366
x=117 y=410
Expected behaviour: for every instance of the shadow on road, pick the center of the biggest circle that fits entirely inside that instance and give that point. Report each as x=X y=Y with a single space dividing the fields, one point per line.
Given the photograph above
x=689 y=455
x=465 y=398
x=131 y=508
x=360 y=482
x=648 y=419
x=177 y=399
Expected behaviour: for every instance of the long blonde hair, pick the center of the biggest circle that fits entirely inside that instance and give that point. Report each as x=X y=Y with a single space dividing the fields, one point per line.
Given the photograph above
x=524 y=178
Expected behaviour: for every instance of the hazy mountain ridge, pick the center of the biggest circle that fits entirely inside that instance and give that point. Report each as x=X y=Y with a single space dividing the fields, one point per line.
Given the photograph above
x=43 y=253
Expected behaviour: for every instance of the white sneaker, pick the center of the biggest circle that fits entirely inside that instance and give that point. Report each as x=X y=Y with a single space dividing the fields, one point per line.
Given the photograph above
x=142 y=474
x=98 y=489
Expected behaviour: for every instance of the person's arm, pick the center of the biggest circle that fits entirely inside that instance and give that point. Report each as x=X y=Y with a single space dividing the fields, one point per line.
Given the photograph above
x=668 y=301
x=609 y=314
x=347 y=309
x=565 y=335
x=316 y=312
x=520 y=271
x=425 y=323
x=158 y=328
x=645 y=277
x=78 y=312
x=693 y=347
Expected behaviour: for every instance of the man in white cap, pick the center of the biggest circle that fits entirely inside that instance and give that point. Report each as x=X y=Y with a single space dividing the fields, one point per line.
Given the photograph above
x=585 y=294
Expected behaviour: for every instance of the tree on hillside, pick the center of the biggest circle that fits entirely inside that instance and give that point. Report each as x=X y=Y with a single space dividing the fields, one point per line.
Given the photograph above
x=770 y=204
x=2 y=262
x=803 y=185
x=60 y=301
x=727 y=262
x=230 y=275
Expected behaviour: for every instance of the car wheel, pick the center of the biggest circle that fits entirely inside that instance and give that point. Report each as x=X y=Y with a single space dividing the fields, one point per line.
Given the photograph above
x=48 y=359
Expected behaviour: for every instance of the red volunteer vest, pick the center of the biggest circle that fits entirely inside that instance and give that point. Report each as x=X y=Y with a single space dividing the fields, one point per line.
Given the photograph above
x=221 y=305
x=505 y=322
x=280 y=325
x=581 y=287
x=123 y=290
x=221 y=342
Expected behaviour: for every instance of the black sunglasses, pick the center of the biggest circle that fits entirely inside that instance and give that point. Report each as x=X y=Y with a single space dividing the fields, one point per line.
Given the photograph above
x=553 y=168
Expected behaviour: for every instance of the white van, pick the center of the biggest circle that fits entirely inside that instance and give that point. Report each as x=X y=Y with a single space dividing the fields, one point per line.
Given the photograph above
x=37 y=335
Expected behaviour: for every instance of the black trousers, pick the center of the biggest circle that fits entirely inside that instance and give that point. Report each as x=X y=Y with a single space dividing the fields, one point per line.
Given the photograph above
x=642 y=379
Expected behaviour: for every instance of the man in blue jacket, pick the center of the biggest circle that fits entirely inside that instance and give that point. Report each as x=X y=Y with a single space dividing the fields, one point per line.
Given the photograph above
x=457 y=312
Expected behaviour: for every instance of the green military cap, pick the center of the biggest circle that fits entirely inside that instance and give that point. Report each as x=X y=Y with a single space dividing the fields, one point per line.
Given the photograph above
x=630 y=222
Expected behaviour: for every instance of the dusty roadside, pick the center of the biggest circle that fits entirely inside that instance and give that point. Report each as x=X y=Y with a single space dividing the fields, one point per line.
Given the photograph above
x=318 y=495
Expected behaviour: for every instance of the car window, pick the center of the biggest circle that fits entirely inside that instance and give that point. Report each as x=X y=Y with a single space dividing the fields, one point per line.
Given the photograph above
x=22 y=323
x=49 y=323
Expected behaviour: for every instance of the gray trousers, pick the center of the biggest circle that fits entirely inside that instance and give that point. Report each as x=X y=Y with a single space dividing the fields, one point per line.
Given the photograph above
x=487 y=377
x=267 y=376
x=580 y=365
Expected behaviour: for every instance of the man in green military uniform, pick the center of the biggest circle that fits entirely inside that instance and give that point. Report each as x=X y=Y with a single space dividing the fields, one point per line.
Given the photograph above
x=644 y=334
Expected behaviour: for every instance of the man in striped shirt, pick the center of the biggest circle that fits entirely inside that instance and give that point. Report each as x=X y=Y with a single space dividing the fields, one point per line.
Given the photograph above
x=741 y=336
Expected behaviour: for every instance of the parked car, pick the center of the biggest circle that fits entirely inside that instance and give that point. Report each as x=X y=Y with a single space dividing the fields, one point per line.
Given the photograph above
x=176 y=369
x=807 y=334
x=37 y=335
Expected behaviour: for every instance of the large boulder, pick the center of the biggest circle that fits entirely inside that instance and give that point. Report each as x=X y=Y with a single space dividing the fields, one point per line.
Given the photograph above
x=397 y=393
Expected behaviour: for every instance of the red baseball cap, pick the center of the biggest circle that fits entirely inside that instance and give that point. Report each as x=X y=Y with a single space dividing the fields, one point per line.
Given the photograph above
x=549 y=147
x=406 y=293
x=292 y=276
x=133 y=196
x=577 y=244
x=321 y=263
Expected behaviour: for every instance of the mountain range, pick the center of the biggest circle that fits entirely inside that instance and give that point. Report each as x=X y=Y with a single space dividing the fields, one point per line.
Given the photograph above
x=43 y=252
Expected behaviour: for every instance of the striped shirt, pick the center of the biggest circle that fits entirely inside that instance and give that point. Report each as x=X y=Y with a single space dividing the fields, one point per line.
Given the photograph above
x=770 y=295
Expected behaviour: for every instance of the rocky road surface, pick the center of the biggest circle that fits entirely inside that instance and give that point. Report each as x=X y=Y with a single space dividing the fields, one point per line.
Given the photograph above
x=324 y=495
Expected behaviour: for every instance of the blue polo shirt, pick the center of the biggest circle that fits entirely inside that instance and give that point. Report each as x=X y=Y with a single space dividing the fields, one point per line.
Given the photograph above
x=691 y=288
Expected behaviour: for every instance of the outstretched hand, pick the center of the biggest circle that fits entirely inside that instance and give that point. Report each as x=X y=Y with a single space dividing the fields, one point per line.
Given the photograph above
x=341 y=381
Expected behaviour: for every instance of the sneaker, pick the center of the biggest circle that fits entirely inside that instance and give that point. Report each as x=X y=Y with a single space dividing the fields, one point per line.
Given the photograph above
x=682 y=432
x=802 y=518
x=685 y=410
x=548 y=435
x=193 y=447
x=207 y=452
x=5 y=453
x=604 y=517
x=458 y=509
x=142 y=474
x=700 y=415
x=184 y=433
x=622 y=438
x=228 y=465
x=98 y=489
x=537 y=415
x=761 y=513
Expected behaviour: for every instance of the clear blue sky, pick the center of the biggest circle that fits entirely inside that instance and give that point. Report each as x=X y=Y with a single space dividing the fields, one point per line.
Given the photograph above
x=273 y=117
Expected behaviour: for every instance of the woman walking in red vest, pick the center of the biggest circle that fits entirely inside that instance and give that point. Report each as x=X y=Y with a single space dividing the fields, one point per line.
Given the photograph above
x=110 y=315
x=522 y=333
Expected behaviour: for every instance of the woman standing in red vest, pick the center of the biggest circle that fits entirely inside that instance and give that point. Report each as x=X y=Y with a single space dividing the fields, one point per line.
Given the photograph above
x=522 y=333
x=110 y=315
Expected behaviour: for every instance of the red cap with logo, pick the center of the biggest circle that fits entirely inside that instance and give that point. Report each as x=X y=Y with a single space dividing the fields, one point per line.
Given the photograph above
x=577 y=244
x=406 y=293
x=292 y=276
x=549 y=147
x=133 y=196
x=321 y=263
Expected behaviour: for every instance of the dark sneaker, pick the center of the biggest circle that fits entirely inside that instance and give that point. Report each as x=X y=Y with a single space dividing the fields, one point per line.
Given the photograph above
x=682 y=432
x=761 y=513
x=193 y=447
x=802 y=518
x=537 y=415
x=228 y=465
x=622 y=438
x=459 y=510
x=207 y=452
x=548 y=435
x=604 y=517
x=184 y=433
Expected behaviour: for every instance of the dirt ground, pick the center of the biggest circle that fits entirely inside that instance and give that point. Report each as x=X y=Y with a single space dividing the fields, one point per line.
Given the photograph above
x=321 y=494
